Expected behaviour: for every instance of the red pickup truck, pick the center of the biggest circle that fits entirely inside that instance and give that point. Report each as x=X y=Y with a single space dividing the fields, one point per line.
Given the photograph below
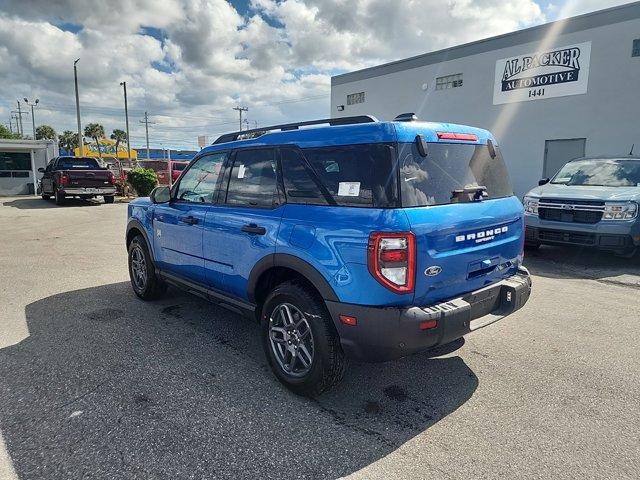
x=77 y=177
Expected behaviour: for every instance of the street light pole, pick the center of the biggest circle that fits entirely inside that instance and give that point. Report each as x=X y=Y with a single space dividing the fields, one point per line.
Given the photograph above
x=33 y=115
x=126 y=116
x=75 y=79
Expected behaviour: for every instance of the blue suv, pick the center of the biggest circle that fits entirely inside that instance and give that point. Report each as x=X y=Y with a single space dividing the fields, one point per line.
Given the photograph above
x=345 y=237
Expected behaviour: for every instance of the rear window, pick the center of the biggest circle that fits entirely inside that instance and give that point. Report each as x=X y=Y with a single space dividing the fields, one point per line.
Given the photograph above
x=447 y=171
x=353 y=175
x=78 y=164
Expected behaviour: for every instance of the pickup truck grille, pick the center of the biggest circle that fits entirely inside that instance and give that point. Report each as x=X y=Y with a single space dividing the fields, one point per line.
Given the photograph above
x=571 y=211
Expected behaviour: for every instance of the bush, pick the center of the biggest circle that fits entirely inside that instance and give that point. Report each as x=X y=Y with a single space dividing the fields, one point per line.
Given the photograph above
x=143 y=180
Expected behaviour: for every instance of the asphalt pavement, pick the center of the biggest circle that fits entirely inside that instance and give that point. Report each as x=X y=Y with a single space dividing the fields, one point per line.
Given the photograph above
x=95 y=383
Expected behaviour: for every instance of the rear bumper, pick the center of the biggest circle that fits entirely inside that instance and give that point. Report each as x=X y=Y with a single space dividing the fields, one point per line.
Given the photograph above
x=89 y=191
x=383 y=334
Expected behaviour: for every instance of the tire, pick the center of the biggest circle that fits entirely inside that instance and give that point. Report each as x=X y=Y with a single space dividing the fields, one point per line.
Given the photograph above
x=142 y=273
x=58 y=196
x=315 y=330
x=45 y=196
x=109 y=199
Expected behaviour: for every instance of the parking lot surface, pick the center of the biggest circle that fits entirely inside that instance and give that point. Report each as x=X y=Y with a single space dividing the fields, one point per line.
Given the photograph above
x=95 y=383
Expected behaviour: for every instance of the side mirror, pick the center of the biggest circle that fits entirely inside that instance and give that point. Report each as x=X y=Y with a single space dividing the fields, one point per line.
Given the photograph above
x=544 y=181
x=160 y=195
x=41 y=170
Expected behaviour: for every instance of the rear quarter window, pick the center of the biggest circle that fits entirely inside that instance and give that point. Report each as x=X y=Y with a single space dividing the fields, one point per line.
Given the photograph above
x=352 y=175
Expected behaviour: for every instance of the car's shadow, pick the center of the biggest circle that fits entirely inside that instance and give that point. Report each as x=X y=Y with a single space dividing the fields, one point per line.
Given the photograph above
x=106 y=385
x=579 y=262
x=37 y=203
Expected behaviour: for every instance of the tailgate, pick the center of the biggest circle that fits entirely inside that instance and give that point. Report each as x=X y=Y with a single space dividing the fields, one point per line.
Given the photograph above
x=465 y=246
x=88 y=178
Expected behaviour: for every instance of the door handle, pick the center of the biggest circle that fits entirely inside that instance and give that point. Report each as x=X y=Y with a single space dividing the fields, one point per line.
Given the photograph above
x=189 y=220
x=254 y=229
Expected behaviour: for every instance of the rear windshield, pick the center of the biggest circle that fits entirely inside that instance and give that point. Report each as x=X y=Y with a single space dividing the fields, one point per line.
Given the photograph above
x=179 y=166
x=351 y=175
x=604 y=173
x=450 y=173
x=78 y=163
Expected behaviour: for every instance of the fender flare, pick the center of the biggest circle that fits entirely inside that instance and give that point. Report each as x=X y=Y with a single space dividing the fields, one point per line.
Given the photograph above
x=135 y=223
x=296 y=264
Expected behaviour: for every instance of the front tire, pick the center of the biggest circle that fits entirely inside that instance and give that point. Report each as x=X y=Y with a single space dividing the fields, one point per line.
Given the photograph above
x=300 y=340
x=109 y=199
x=142 y=273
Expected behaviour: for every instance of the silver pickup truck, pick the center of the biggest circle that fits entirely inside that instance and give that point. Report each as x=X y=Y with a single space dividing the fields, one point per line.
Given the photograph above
x=590 y=202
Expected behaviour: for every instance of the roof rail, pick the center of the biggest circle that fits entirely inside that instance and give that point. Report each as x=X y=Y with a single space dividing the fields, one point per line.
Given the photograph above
x=232 y=137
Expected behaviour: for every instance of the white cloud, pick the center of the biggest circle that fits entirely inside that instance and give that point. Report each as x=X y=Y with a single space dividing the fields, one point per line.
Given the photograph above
x=209 y=57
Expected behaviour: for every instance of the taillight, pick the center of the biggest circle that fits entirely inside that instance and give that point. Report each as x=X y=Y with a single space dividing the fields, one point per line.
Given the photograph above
x=112 y=178
x=467 y=137
x=392 y=260
x=64 y=180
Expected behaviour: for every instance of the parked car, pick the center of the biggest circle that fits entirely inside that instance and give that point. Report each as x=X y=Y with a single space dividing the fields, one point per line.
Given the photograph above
x=590 y=202
x=364 y=239
x=81 y=177
x=162 y=168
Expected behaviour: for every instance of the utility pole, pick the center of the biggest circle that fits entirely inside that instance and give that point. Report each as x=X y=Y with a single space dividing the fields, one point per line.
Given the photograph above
x=240 y=110
x=126 y=116
x=80 y=139
x=11 y=123
x=146 y=127
x=20 y=117
x=33 y=115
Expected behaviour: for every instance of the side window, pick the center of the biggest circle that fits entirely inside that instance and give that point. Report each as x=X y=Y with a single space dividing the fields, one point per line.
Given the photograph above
x=200 y=182
x=300 y=184
x=253 y=179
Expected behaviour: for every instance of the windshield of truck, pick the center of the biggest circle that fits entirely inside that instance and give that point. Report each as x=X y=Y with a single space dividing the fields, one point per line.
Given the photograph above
x=178 y=167
x=78 y=164
x=603 y=173
x=451 y=173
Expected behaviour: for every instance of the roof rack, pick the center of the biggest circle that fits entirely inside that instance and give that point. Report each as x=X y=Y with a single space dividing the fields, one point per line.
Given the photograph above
x=232 y=137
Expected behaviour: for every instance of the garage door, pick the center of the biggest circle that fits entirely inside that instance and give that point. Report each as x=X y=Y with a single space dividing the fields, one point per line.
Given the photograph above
x=559 y=152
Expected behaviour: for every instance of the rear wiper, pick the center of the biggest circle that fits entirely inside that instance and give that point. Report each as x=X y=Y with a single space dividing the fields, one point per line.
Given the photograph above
x=470 y=194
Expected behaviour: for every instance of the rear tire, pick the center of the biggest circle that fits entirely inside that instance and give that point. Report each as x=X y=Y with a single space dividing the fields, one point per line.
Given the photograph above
x=304 y=350
x=59 y=196
x=45 y=196
x=109 y=199
x=142 y=272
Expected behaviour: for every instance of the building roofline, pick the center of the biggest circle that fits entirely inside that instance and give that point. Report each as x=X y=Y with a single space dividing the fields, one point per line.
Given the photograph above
x=578 y=23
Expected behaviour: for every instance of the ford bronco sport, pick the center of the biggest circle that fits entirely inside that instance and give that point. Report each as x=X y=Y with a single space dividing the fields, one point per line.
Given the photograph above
x=354 y=238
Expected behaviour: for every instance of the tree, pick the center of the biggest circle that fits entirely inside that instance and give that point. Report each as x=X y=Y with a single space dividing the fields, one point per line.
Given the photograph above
x=45 y=132
x=68 y=140
x=119 y=136
x=6 y=133
x=95 y=131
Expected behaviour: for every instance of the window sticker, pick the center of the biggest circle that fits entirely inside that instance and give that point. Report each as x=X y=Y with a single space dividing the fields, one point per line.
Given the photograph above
x=241 y=171
x=349 y=189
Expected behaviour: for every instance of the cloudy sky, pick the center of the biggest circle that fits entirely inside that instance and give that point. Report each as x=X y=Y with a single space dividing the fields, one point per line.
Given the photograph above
x=188 y=62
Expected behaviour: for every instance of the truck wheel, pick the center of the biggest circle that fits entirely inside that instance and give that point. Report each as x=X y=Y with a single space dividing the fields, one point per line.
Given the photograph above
x=45 y=196
x=300 y=340
x=109 y=199
x=59 y=196
x=142 y=273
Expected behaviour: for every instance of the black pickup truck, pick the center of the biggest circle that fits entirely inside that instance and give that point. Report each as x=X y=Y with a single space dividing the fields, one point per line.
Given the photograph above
x=77 y=177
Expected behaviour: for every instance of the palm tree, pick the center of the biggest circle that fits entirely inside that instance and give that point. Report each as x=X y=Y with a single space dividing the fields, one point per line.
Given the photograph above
x=95 y=131
x=45 y=132
x=68 y=140
x=119 y=136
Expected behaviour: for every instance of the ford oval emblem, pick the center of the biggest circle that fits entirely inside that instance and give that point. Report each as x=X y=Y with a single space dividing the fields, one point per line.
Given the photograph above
x=433 y=271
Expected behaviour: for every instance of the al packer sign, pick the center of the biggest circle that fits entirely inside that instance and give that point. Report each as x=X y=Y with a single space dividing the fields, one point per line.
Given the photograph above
x=554 y=73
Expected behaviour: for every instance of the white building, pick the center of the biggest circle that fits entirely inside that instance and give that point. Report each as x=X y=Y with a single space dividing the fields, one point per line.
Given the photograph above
x=548 y=93
x=19 y=163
